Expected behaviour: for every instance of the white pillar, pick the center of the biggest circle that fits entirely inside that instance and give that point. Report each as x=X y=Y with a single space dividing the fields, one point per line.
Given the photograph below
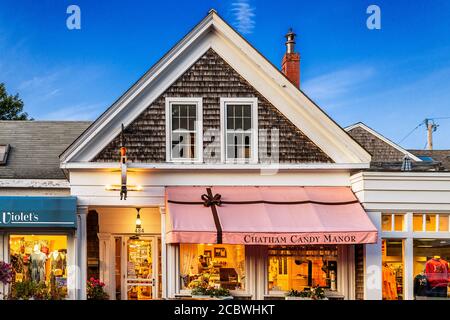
x=408 y=270
x=81 y=247
x=107 y=264
x=373 y=263
x=162 y=211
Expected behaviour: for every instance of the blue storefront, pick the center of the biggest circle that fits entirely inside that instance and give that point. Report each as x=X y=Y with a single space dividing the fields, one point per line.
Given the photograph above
x=37 y=237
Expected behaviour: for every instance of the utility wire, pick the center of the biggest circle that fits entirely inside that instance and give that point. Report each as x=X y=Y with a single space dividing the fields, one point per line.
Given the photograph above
x=420 y=124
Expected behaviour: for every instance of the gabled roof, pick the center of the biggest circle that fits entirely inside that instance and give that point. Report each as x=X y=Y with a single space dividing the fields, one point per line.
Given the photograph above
x=213 y=32
x=35 y=147
x=381 y=148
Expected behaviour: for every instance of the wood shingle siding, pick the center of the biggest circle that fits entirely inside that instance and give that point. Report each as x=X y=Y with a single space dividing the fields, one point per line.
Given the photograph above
x=380 y=150
x=210 y=78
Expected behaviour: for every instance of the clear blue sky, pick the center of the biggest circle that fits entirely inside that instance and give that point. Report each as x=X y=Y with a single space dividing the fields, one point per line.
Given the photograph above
x=391 y=79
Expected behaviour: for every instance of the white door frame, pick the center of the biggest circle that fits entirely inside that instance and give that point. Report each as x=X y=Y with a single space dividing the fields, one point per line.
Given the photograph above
x=155 y=263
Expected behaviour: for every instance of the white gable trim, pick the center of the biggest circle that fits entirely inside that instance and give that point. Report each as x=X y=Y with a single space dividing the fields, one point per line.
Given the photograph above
x=383 y=138
x=214 y=33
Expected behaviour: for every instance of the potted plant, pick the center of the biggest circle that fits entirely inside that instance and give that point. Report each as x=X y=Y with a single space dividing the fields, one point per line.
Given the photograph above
x=203 y=291
x=317 y=293
x=298 y=295
x=95 y=290
x=24 y=290
x=6 y=274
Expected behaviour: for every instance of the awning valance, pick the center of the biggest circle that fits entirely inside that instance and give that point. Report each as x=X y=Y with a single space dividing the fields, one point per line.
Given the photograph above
x=267 y=216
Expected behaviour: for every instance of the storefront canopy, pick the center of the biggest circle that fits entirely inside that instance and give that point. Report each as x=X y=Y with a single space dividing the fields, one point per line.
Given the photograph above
x=38 y=212
x=267 y=216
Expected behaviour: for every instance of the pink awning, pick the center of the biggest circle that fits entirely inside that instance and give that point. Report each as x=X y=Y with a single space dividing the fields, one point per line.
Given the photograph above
x=267 y=216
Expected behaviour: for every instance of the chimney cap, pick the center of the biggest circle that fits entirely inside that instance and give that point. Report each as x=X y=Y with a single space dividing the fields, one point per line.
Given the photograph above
x=290 y=43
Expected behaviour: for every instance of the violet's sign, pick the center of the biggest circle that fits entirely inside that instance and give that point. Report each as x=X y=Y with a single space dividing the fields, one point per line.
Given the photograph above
x=47 y=212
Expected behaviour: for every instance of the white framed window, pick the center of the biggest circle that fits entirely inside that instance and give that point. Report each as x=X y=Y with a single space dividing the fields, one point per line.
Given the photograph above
x=184 y=130
x=431 y=222
x=4 y=150
x=239 y=125
x=393 y=222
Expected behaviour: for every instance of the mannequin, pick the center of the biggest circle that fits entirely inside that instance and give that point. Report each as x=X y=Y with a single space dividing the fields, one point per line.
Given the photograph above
x=421 y=286
x=436 y=270
x=38 y=259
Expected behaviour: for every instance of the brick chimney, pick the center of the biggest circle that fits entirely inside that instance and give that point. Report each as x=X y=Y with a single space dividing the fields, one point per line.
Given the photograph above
x=290 y=65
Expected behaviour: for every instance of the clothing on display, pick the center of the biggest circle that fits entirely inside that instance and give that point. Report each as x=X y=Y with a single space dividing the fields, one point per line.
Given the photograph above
x=421 y=285
x=389 y=284
x=38 y=259
x=436 y=270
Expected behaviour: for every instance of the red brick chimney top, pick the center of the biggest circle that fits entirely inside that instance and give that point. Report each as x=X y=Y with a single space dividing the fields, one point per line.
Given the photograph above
x=290 y=65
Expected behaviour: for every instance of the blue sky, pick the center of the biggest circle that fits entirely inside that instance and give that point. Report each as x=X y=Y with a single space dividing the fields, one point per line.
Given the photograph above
x=391 y=79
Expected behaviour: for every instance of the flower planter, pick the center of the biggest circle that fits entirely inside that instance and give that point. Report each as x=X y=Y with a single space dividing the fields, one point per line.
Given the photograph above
x=211 y=298
x=297 y=298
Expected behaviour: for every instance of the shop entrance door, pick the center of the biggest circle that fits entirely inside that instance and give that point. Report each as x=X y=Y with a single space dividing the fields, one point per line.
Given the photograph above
x=139 y=268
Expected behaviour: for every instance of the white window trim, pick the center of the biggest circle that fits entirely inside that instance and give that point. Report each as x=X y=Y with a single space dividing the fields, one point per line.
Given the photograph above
x=223 y=125
x=199 y=129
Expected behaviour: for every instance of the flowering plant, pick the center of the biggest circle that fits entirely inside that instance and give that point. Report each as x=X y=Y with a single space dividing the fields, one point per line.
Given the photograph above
x=95 y=290
x=205 y=290
x=6 y=272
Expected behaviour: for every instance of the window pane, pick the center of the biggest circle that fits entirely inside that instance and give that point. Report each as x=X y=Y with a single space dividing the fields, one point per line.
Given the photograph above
x=184 y=117
x=393 y=266
x=41 y=259
x=418 y=222
x=193 y=111
x=238 y=111
x=443 y=222
x=301 y=268
x=430 y=223
x=386 y=222
x=398 y=222
x=183 y=110
x=247 y=123
x=212 y=265
x=431 y=267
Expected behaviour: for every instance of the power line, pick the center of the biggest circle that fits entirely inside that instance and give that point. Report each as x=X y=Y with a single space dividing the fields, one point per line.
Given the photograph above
x=420 y=124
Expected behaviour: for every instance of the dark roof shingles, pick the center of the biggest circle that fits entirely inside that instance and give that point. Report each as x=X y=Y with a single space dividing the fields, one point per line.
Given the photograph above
x=36 y=146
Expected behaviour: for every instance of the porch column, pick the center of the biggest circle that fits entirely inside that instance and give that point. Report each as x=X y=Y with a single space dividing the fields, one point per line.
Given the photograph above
x=373 y=263
x=106 y=264
x=81 y=254
x=162 y=211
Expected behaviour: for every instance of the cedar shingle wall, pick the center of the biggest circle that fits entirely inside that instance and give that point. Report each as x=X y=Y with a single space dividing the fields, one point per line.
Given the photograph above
x=380 y=150
x=359 y=272
x=210 y=78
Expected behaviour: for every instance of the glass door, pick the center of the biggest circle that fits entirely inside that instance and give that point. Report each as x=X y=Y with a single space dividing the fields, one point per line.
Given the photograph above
x=139 y=269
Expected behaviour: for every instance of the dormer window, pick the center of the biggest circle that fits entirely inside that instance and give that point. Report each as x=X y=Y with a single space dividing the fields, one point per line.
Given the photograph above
x=239 y=120
x=184 y=129
x=4 y=150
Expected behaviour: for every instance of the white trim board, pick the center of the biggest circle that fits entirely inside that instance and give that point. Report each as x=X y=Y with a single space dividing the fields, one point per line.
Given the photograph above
x=383 y=138
x=213 y=32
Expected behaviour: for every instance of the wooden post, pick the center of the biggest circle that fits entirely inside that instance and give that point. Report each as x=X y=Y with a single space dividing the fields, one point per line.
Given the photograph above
x=430 y=128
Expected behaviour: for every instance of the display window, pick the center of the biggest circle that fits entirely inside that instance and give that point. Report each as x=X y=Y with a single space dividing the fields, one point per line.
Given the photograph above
x=301 y=268
x=40 y=261
x=431 y=268
x=219 y=266
x=392 y=269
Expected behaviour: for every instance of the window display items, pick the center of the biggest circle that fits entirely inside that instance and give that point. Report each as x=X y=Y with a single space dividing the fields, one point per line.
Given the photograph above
x=431 y=268
x=302 y=268
x=40 y=259
x=392 y=269
x=436 y=271
x=225 y=270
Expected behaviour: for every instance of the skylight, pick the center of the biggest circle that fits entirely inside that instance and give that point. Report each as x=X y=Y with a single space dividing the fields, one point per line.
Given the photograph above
x=426 y=158
x=4 y=149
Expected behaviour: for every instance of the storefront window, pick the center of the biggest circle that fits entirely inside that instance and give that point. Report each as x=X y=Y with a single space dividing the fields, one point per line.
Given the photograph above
x=430 y=222
x=431 y=274
x=301 y=268
x=217 y=265
x=393 y=266
x=40 y=260
x=393 y=222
